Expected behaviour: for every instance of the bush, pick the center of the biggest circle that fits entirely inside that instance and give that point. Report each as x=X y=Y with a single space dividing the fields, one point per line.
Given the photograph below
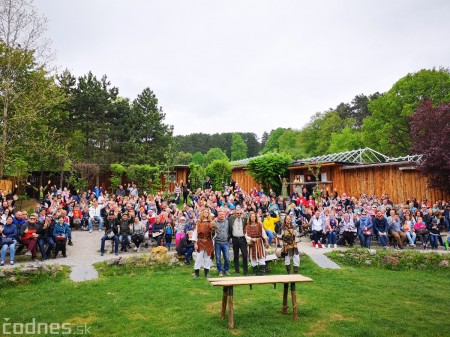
x=392 y=260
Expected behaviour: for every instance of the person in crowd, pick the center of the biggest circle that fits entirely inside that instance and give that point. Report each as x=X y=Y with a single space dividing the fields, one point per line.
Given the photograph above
x=256 y=237
x=422 y=231
x=408 y=229
x=158 y=229
x=396 y=230
x=186 y=248
x=237 y=223
x=269 y=225
x=77 y=216
x=61 y=232
x=168 y=234
x=318 y=229
x=112 y=227
x=95 y=214
x=180 y=230
x=365 y=229
x=221 y=245
x=381 y=228
x=45 y=233
x=29 y=236
x=348 y=230
x=124 y=232
x=289 y=249
x=332 y=228
x=137 y=233
x=203 y=242
x=434 y=234
x=8 y=234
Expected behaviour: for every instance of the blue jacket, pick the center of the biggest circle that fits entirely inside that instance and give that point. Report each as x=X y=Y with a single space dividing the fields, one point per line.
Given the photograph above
x=381 y=225
x=363 y=222
x=60 y=230
x=10 y=231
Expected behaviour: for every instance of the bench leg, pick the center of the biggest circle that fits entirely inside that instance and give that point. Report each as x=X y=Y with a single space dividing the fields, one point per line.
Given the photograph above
x=294 y=301
x=224 y=303
x=285 y=299
x=230 y=308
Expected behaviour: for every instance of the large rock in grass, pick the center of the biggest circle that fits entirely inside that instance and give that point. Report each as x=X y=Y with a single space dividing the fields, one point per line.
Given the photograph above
x=443 y=263
x=159 y=250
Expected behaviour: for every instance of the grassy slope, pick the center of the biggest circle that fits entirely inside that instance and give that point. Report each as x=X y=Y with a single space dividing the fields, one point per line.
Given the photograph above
x=167 y=302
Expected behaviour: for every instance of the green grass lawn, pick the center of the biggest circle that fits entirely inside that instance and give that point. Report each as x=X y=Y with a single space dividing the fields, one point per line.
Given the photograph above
x=166 y=301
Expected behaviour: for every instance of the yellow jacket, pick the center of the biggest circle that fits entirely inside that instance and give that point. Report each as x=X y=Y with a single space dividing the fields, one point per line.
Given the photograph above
x=269 y=223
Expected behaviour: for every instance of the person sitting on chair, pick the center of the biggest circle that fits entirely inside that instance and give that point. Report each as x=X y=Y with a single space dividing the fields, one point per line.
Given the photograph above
x=111 y=233
x=61 y=232
x=124 y=232
x=29 y=235
x=186 y=248
x=8 y=234
x=46 y=237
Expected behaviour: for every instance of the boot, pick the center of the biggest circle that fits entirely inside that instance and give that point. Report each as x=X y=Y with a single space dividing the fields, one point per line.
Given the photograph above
x=70 y=242
x=206 y=273
x=254 y=270
x=288 y=269
x=296 y=270
x=263 y=270
x=196 y=273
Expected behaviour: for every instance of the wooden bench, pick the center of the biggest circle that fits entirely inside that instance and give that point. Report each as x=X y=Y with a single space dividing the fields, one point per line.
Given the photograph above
x=229 y=282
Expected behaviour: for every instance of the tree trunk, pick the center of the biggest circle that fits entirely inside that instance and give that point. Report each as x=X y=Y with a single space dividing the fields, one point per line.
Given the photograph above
x=41 y=178
x=5 y=132
x=61 y=178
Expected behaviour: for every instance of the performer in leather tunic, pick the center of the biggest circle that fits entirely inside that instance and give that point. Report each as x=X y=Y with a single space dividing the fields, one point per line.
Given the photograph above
x=203 y=244
x=256 y=236
x=289 y=249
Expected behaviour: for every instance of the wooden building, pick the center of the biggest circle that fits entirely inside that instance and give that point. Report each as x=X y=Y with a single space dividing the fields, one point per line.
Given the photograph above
x=356 y=172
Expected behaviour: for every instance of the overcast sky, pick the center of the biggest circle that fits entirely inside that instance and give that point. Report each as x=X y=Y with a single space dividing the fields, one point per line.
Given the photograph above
x=250 y=66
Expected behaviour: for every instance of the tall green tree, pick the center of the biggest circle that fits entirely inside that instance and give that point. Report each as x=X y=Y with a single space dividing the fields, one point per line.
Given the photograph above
x=238 y=147
x=272 y=141
x=219 y=170
x=269 y=169
x=214 y=154
x=91 y=105
x=197 y=158
x=388 y=128
x=346 y=140
x=21 y=42
x=147 y=130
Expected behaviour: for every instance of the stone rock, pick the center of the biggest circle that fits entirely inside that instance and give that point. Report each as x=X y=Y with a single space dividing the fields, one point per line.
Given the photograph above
x=368 y=262
x=8 y=271
x=372 y=252
x=2 y=274
x=443 y=263
x=13 y=279
x=46 y=268
x=160 y=250
x=29 y=270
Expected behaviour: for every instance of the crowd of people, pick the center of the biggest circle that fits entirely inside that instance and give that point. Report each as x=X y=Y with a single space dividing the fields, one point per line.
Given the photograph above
x=211 y=222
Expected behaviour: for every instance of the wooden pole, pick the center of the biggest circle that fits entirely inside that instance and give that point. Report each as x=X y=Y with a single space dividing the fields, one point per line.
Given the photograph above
x=230 y=308
x=224 y=303
x=294 y=301
x=285 y=298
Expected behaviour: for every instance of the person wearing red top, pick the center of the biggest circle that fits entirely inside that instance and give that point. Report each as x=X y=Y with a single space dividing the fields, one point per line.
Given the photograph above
x=29 y=236
x=77 y=217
